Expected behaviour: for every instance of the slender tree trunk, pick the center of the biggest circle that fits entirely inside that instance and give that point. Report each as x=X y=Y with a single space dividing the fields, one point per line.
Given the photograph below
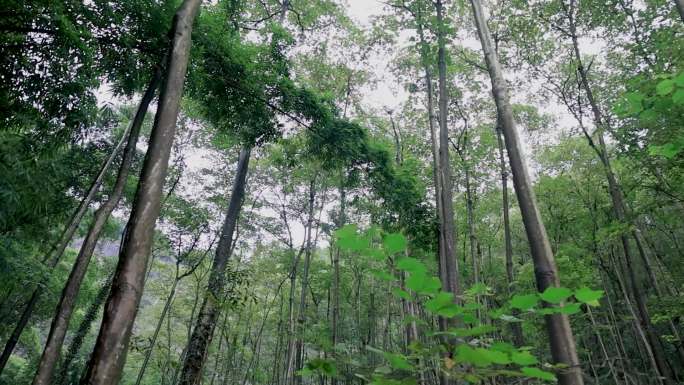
x=472 y=238
x=336 y=278
x=301 y=319
x=106 y=362
x=65 y=307
x=447 y=227
x=563 y=349
x=291 y=323
x=516 y=329
x=424 y=53
x=275 y=377
x=447 y=259
x=204 y=326
x=53 y=256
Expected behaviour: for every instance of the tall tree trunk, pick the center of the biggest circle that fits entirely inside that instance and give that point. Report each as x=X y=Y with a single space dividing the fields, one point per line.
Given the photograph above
x=301 y=317
x=516 y=329
x=65 y=307
x=291 y=322
x=447 y=227
x=448 y=263
x=106 y=362
x=424 y=56
x=210 y=309
x=334 y=325
x=55 y=253
x=563 y=349
x=470 y=206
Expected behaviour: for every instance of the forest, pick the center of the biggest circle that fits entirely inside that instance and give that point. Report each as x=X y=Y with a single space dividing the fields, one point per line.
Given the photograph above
x=341 y=192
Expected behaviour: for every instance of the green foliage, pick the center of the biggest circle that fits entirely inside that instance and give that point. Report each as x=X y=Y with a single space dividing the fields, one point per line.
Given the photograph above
x=472 y=346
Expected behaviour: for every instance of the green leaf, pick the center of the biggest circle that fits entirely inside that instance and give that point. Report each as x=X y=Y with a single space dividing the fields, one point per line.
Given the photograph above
x=354 y=243
x=634 y=103
x=495 y=356
x=665 y=87
x=538 y=373
x=431 y=286
x=476 y=356
x=375 y=254
x=678 y=96
x=439 y=301
x=394 y=243
x=411 y=265
x=556 y=294
x=571 y=308
x=588 y=296
x=503 y=347
x=524 y=302
x=346 y=231
x=523 y=358
x=550 y=310
x=416 y=282
x=401 y=293
x=668 y=150
x=679 y=79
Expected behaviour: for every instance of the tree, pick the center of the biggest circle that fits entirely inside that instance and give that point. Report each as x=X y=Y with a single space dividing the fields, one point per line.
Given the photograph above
x=546 y=273
x=109 y=354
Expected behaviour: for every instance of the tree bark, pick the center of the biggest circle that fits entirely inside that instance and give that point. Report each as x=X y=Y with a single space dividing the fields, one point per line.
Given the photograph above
x=434 y=146
x=65 y=307
x=563 y=349
x=106 y=362
x=447 y=227
x=210 y=309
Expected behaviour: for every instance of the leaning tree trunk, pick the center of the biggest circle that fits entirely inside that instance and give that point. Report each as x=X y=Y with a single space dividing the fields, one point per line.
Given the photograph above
x=211 y=305
x=55 y=254
x=516 y=329
x=563 y=349
x=108 y=357
x=65 y=308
